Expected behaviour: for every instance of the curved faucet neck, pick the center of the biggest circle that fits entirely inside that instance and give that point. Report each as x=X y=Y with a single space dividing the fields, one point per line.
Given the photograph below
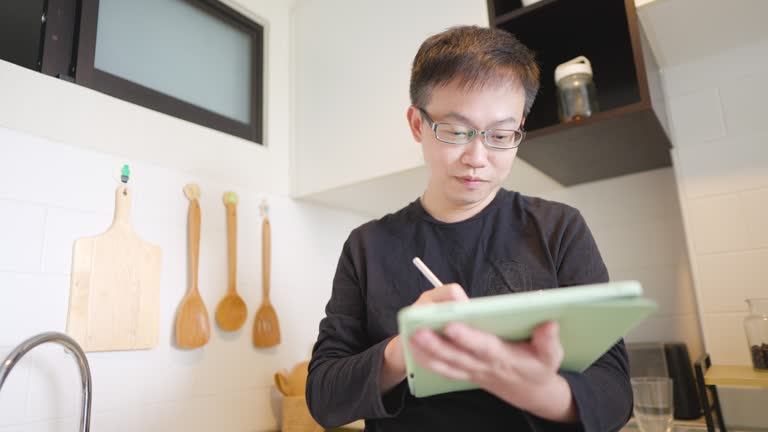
x=82 y=362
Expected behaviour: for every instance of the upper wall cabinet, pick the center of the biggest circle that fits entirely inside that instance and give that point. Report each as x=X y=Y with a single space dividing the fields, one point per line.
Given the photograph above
x=628 y=134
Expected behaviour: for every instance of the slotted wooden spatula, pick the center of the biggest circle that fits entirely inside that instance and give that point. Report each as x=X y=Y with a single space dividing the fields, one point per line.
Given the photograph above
x=266 y=329
x=114 y=299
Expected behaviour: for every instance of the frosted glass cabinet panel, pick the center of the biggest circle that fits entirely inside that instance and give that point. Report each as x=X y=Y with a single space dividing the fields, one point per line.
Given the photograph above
x=194 y=59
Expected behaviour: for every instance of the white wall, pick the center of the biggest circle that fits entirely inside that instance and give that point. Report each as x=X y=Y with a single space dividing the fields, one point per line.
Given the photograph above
x=59 y=146
x=638 y=228
x=353 y=62
x=71 y=114
x=52 y=194
x=717 y=109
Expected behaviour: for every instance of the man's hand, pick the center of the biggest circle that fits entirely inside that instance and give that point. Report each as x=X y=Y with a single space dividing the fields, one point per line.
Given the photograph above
x=393 y=367
x=524 y=374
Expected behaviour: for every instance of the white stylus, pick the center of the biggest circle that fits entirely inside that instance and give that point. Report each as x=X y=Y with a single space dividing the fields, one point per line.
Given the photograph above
x=427 y=272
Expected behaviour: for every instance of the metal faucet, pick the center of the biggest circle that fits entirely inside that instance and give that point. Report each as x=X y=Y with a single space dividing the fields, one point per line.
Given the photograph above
x=69 y=344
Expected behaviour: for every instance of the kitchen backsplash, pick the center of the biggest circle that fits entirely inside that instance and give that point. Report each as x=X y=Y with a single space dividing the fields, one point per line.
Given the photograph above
x=51 y=194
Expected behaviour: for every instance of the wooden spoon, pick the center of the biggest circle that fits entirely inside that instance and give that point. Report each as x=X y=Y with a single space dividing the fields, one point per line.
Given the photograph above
x=231 y=312
x=266 y=329
x=192 y=327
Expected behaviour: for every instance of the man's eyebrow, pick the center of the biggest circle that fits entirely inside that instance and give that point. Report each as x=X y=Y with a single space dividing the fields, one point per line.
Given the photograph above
x=464 y=119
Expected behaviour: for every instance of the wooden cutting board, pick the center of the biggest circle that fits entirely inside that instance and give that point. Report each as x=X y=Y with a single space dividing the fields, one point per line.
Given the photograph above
x=114 y=301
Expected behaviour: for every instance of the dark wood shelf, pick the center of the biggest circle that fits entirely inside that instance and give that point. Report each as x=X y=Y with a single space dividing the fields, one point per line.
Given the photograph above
x=628 y=133
x=515 y=9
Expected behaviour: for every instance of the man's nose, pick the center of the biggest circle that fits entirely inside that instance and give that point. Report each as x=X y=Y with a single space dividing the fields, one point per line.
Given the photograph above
x=475 y=152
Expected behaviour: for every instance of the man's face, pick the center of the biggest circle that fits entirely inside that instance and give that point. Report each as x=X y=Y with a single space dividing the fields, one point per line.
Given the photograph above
x=464 y=175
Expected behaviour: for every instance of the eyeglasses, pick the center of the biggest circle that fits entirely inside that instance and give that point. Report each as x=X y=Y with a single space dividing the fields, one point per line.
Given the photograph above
x=458 y=134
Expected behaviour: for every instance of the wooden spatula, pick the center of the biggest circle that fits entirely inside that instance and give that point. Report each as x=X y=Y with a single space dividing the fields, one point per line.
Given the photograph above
x=266 y=329
x=192 y=326
x=115 y=292
x=231 y=312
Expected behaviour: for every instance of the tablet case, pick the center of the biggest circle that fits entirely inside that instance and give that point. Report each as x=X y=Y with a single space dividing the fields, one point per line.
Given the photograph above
x=592 y=319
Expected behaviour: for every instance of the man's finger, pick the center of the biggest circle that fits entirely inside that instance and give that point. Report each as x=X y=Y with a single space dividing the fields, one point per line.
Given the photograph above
x=429 y=348
x=546 y=342
x=448 y=292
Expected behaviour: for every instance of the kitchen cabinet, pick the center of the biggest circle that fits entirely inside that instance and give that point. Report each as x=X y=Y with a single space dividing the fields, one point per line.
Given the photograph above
x=629 y=134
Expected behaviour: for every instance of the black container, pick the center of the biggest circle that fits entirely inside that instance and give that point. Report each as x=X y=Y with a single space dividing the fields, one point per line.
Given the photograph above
x=687 y=404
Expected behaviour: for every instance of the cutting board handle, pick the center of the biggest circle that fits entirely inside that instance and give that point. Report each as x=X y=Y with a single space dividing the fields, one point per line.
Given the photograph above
x=122 y=206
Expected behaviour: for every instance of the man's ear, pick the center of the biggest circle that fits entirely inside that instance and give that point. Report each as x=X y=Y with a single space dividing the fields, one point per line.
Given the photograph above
x=414 y=122
x=522 y=123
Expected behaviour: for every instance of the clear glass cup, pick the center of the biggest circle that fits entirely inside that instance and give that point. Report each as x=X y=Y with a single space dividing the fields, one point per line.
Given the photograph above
x=756 y=326
x=654 y=403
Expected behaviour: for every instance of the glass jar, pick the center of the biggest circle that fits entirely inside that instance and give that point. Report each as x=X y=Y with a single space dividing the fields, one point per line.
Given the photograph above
x=576 y=92
x=756 y=326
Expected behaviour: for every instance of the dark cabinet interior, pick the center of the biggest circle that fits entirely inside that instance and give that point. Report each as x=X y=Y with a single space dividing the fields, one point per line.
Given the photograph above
x=627 y=135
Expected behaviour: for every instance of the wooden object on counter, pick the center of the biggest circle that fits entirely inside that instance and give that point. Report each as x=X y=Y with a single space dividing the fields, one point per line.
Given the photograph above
x=294 y=383
x=192 y=326
x=296 y=416
x=266 y=328
x=232 y=311
x=115 y=286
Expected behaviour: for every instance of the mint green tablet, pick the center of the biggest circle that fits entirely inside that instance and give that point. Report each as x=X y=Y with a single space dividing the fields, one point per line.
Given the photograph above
x=592 y=319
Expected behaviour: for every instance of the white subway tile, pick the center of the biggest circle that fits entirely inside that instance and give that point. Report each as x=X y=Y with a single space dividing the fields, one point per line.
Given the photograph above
x=13 y=397
x=652 y=243
x=60 y=425
x=644 y=197
x=112 y=421
x=21 y=236
x=730 y=164
x=32 y=304
x=670 y=328
x=669 y=286
x=718 y=224
x=755 y=204
x=726 y=280
x=63 y=227
x=119 y=378
x=696 y=117
x=65 y=177
x=725 y=338
x=744 y=105
x=54 y=385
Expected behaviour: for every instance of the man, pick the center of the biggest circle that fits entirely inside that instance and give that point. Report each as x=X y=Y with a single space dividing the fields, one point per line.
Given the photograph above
x=471 y=89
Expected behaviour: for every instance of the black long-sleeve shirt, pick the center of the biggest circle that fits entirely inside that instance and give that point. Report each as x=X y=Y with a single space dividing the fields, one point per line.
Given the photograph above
x=517 y=243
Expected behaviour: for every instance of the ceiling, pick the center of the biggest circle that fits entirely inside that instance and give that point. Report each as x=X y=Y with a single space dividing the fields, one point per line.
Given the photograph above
x=681 y=31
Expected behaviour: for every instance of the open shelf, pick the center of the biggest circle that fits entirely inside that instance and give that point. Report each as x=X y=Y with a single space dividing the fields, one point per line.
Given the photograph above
x=627 y=135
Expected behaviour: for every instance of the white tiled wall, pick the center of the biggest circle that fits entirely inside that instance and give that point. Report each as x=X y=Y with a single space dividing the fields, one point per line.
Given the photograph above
x=637 y=224
x=720 y=134
x=52 y=194
x=723 y=178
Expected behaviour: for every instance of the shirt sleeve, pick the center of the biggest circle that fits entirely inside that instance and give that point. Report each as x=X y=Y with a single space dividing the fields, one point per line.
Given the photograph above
x=602 y=392
x=344 y=372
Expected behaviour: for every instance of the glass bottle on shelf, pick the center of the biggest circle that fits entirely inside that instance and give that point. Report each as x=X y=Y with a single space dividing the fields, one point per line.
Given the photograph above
x=577 y=98
x=756 y=326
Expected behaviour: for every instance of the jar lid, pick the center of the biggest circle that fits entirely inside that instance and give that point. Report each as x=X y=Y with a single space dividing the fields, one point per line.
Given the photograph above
x=578 y=65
